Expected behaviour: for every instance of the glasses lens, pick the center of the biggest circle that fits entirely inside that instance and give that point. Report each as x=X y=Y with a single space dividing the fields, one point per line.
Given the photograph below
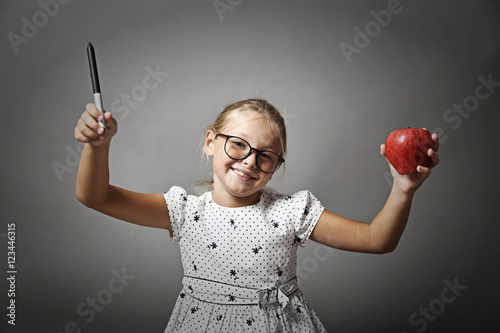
x=268 y=161
x=237 y=148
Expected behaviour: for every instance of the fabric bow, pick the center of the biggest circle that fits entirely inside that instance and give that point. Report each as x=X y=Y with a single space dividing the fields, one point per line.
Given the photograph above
x=272 y=296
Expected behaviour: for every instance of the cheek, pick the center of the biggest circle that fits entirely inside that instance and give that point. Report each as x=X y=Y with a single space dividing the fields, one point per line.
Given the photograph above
x=220 y=158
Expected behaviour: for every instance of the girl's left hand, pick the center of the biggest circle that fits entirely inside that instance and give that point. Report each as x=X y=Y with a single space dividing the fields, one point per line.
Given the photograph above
x=409 y=183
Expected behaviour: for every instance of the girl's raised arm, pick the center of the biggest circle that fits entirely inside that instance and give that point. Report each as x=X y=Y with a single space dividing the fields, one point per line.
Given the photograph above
x=383 y=233
x=92 y=184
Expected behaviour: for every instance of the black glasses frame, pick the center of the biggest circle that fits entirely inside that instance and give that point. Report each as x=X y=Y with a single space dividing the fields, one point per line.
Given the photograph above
x=281 y=159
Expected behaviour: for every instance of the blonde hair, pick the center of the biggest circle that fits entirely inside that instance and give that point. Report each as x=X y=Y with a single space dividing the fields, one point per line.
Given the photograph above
x=251 y=109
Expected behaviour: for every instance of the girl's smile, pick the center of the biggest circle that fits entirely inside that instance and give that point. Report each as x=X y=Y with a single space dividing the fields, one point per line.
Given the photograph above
x=244 y=176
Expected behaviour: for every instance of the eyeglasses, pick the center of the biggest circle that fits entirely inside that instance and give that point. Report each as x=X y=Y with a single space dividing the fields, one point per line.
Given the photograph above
x=238 y=149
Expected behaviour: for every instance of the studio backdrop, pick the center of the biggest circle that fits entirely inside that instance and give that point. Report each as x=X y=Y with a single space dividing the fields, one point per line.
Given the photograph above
x=344 y=74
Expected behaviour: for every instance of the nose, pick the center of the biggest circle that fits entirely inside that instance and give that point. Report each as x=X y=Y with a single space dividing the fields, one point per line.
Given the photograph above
x=251 y=159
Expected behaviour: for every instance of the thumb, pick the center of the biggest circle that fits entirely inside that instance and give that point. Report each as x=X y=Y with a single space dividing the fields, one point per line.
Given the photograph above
x=111 y=123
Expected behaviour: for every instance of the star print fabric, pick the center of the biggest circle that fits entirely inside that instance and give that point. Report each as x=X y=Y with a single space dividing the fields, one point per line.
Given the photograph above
x=240 y=263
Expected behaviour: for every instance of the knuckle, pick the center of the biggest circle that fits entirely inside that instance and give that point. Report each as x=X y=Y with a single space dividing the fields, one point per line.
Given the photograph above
x=88 y=132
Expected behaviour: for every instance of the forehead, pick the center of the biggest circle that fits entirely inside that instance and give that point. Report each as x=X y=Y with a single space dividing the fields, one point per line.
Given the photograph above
x=254 y=129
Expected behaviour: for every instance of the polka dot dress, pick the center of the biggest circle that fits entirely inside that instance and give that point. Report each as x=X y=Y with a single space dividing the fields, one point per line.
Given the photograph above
x=240 y=263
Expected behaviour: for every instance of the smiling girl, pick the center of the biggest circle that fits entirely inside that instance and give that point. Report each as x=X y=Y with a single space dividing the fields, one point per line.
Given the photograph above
x=238 y=240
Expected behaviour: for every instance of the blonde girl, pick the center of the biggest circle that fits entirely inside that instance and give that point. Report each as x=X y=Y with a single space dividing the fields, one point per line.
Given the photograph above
x=239 y=240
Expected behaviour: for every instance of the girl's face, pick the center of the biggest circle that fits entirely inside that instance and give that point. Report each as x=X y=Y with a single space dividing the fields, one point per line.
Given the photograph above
x=237 y=183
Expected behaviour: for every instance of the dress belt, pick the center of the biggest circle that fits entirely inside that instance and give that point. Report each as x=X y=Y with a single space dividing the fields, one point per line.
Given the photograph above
x=229 y=294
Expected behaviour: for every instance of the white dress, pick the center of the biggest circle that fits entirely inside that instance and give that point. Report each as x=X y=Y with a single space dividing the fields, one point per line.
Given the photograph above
x=240 y=263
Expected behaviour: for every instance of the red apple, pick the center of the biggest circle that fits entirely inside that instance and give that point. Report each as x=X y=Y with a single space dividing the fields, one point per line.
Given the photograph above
x=407 y=148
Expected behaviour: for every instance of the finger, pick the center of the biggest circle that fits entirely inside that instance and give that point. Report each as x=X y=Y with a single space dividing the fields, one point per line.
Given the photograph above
x=423 y=172
x=110 y=121
x=382 y=150
x=79 y=136
x=95 y=113
x=93 y=110
x=88 y=132
x=86 y=138
x=434 y=158
x=435 y=140
x=92 y=122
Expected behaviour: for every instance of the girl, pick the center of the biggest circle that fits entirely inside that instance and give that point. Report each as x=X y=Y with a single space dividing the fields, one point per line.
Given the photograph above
x=239 y=240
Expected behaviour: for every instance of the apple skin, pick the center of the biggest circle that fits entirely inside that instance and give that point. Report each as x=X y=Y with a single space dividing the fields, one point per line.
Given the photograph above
x=407 y=148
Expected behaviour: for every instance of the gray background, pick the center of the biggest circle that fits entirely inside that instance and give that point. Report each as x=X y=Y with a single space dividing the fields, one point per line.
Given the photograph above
x=416 y=67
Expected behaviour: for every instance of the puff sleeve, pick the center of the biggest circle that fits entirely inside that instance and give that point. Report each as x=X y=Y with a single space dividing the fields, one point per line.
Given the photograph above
x=306 y=211
x=176 y=200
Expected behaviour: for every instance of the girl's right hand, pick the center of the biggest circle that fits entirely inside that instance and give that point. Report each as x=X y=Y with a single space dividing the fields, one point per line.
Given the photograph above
x=88 y=130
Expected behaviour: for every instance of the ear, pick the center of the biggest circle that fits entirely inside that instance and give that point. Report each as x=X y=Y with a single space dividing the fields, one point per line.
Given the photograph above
x=209 y=143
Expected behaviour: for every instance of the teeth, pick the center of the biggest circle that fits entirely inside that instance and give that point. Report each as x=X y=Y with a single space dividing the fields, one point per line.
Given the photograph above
x=241 y=173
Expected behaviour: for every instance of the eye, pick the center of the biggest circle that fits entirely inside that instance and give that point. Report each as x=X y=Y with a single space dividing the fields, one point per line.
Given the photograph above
x=267 y=156
x=238 y=143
